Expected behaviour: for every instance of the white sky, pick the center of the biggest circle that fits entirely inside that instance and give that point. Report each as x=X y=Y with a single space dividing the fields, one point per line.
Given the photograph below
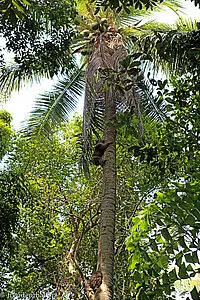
x=21 y=102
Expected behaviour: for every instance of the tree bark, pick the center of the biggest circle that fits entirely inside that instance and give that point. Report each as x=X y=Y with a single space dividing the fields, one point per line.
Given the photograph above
x=108 y=205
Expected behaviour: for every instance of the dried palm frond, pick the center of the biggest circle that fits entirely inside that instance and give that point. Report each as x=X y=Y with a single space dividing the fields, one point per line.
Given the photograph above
x=104 y=70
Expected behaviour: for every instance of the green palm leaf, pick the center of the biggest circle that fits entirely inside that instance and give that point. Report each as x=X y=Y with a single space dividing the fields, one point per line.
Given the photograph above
x=171 y=50
x=55 y=107
x=151 y=105
x=13 y=77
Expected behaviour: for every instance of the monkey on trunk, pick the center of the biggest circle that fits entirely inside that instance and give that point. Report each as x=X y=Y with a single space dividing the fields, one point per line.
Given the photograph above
x=99 y=150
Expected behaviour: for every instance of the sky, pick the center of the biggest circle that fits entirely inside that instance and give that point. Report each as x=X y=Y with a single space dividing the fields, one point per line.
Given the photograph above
x=21 y=102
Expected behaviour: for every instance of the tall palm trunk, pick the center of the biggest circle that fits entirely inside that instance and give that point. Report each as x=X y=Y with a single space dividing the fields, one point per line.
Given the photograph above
x=108 y=204
x=108 y=52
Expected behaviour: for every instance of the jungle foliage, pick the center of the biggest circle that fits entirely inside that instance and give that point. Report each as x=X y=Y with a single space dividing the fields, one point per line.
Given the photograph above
x=5 y=131
x=50 y=212
x=157 y=200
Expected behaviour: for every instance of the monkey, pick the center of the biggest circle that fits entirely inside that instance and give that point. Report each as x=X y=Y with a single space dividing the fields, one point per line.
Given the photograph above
x=99 y=150
x=95 y=280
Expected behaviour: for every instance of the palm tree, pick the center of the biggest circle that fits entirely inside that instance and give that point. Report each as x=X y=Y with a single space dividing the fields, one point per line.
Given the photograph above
x=109 y=50
x=107 y=90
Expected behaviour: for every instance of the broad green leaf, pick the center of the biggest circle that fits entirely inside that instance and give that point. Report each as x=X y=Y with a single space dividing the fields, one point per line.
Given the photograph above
x=195 y=257
x=162 y=261
x=182 y=273
x=195 y=294
x=189 y=220
x=173 y=275
x=165 y=234
x=135 y=259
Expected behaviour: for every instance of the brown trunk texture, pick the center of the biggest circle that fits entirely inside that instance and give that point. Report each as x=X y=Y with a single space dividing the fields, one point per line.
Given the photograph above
x=108 y=205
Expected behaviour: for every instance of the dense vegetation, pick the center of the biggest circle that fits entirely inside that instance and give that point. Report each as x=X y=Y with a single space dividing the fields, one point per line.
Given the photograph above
x=57 y=209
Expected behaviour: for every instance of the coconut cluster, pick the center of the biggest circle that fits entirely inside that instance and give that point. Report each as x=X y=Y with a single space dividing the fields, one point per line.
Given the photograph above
x=93 y=31
x=98 y=26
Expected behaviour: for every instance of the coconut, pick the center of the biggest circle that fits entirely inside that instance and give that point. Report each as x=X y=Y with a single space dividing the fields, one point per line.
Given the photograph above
x=85 y=52
x=85 y=32
x=95 y=26
x=102 y=28
x=103 y=21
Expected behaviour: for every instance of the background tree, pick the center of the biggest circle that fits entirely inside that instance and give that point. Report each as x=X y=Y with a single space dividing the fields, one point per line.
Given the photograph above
x=168 y=153
x=109 y=50
x=14 y=10
x=5 y=131
x=56 y=206
x=174 y=206
x=57 y=213
x=39 y=42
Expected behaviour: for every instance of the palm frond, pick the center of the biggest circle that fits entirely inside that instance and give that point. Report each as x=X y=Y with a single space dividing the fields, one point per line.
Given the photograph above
x=147 y=28
x=54 y=107
x=186 y=25
x=101 y=78
x=151 y=104
x=173 y=50
x=143 y=15
x=13 y=77
x=196 y=2
x=176 y=6
x=102 y=65
x=94 y=101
